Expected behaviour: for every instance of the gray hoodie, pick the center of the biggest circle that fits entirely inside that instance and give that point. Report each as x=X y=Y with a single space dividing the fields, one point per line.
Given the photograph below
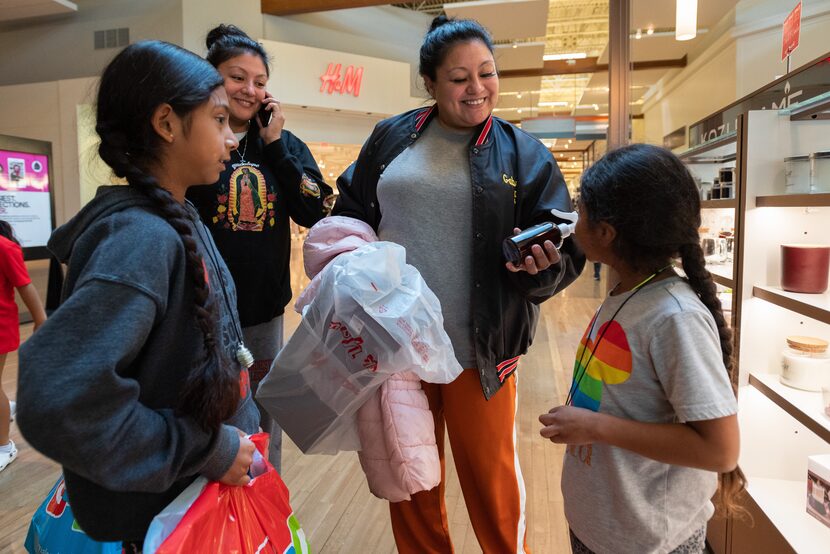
x=100 y=380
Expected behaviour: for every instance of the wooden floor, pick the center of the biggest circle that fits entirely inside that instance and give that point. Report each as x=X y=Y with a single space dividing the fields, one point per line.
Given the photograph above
x=329 y=493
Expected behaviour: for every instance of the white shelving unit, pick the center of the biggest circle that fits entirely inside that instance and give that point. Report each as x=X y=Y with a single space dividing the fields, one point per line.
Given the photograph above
x=778 y=484
x=804 y=406
x=816 y=306
x=723 y=273
x=717 y=215
x=780 y=425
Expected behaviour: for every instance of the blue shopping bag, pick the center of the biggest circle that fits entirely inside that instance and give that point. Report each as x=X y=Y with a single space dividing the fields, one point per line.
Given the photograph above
x=54 y=530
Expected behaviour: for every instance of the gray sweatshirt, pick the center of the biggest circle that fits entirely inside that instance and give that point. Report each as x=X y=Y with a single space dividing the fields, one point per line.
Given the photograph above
x=100 y=380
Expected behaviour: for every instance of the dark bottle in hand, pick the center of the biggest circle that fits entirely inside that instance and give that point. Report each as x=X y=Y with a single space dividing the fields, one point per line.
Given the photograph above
x=518 y=247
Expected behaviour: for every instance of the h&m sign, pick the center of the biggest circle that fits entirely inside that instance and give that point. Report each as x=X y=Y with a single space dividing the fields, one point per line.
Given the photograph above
x=348 y=83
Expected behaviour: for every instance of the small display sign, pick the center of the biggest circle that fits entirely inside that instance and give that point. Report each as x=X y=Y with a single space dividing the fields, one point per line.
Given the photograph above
x=25 y=200
x=792 y=30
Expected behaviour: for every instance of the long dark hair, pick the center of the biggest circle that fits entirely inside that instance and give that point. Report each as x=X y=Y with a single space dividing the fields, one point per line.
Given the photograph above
x=229 y=41
x=651 y=200
x=139 y=79
x=443 y=34
x=7 y=231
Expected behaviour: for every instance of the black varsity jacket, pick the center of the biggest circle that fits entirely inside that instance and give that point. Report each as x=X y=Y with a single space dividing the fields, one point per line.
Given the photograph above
x=515 y=183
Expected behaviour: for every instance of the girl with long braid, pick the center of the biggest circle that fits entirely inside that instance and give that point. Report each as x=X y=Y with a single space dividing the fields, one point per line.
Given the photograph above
x=138 y=383
x=650 y=418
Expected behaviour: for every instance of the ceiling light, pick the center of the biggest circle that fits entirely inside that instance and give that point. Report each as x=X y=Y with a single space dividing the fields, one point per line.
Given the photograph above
x=519 y=95
x=668 y=33
x=515 y=45
x=566 y=146
x=552 y=104
x=519 y=110
x=685 y=27
x=571 y=56
x=639 y=34
x=596 y=107
x=650 y=30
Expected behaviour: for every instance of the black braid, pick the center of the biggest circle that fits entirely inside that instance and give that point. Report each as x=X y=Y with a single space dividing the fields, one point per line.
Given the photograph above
x=207 y=387
x=130 y=146
x=694 y=266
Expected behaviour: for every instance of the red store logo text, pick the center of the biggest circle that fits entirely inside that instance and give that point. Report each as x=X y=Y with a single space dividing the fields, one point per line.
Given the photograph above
x=332 y=82
x=354 y=346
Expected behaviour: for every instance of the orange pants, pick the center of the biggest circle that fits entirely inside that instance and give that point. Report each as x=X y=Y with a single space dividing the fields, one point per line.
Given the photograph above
x=483 y=440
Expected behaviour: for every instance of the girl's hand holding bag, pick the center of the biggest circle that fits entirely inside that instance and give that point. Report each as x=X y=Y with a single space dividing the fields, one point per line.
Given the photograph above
x=212 y=517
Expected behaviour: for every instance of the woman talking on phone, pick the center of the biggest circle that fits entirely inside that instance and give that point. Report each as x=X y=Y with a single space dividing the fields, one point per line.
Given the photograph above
x=271 y=176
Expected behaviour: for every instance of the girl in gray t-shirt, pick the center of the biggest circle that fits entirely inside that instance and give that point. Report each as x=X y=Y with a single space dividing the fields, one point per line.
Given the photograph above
x=650 y=419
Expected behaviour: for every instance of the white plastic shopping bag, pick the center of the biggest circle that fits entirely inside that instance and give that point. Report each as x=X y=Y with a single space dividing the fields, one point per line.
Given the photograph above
x=372 y=317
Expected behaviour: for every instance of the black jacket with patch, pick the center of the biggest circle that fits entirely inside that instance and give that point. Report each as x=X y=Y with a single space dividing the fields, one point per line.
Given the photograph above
x=247 y=212
x=515 y=183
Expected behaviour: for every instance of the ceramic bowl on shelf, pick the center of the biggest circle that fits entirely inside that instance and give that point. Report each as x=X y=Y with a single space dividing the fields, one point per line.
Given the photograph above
x=804 y=267
x=805 y=363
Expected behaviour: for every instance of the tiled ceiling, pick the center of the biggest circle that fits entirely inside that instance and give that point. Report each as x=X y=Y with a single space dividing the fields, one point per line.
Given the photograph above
x=575 y=26
x=571 y=26
x=526 y=18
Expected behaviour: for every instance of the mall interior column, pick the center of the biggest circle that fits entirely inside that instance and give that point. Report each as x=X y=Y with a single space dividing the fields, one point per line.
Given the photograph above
x=618 y=73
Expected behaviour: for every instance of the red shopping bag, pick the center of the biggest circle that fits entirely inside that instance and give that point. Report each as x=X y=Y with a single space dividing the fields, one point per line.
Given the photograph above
x=255 y=518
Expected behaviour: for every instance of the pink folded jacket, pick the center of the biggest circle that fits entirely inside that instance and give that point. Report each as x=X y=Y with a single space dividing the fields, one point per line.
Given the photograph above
x=328 y=238
x=398 y=452
x=397 y=437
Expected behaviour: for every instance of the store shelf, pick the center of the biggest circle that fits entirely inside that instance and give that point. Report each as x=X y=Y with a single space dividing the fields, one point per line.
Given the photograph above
x=774 y=451
x=723 y=203
x=815 y=306
x=721 y=280
x=804 y=406
x=721 y=147
x=722 y=274
x=793 y=200
x=785 y=504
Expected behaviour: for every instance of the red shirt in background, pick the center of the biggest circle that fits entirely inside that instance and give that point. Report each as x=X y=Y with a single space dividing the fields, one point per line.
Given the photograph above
x=13 y=274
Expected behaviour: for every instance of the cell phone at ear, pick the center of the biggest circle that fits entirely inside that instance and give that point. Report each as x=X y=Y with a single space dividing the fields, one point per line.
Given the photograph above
x=264 y=116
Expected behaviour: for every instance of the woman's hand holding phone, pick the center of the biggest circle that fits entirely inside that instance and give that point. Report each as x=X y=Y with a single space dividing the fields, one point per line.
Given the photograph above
x=271 y=119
